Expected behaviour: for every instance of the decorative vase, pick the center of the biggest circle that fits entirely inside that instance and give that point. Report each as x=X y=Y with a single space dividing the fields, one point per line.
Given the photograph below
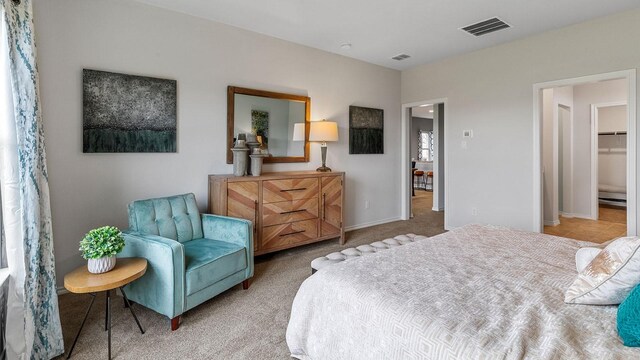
x=101 y=265
x=253 y=145
x=240 y=158
x=256 y=164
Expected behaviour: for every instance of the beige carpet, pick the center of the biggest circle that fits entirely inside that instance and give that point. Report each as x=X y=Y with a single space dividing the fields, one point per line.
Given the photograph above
x=238 y=324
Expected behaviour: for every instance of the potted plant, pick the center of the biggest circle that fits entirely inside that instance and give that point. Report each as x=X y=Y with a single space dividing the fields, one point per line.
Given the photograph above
x=100 y=246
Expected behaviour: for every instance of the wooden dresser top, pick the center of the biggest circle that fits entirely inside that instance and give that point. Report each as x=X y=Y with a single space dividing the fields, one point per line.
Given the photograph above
x=276 y=175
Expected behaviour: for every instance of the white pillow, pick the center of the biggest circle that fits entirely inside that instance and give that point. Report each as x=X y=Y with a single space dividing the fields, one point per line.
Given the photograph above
x=584 y=256
x=610 y=276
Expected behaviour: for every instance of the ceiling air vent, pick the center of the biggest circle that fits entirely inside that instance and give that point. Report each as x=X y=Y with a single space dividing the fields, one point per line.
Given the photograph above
x=401 y=57
x=485 y=27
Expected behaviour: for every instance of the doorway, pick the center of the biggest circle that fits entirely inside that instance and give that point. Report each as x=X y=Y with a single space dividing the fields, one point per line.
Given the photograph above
x=579 y=157
x=424 y=160
x=422 y=153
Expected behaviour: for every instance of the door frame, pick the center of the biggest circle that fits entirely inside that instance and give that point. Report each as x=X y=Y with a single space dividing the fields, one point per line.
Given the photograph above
x=630 y=75
x=594 y=152
x=557 y=155
x=406 y=159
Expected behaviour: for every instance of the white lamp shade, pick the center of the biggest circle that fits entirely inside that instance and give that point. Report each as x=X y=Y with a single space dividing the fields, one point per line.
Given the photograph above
x=298 y=132
x=323 y=131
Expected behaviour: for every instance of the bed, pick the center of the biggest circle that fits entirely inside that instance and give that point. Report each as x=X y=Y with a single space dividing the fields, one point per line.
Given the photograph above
x=477 y=292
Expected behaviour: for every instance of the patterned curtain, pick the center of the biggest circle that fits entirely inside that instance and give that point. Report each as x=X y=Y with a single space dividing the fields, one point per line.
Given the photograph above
x=33 y=325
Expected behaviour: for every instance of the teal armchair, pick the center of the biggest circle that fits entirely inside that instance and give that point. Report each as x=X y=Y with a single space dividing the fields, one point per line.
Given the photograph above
x=192 y=257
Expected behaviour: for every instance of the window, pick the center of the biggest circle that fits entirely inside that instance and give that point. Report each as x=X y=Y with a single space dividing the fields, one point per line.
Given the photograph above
x=425 y=145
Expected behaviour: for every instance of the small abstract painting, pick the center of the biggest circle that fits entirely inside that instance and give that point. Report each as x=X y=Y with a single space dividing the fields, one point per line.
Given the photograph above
x=366 y=130
x=128 y=113
x=260 y=124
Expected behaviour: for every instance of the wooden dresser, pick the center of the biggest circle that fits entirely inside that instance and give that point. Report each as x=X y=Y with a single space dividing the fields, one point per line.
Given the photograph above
x=288 y=209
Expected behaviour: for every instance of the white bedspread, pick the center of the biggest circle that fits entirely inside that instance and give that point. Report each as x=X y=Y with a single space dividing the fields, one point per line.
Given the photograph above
x=473 y=293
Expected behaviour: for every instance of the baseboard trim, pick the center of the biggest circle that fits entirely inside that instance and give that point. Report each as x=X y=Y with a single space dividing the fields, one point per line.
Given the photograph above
x=588 y=217
x=372 y=223
x=437 y=209
x=551 y=223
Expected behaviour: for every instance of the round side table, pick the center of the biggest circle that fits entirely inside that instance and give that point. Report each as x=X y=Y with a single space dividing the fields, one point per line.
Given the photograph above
x=81 y=281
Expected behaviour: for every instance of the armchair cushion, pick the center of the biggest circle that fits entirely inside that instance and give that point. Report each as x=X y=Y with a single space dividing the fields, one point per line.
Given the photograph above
x=174 y=217
x=209 y=261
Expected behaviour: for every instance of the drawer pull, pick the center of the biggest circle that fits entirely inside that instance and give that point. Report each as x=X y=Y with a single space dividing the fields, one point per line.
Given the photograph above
x=255 y=216
x=292 y=233
x=292 y=211
x=324 y=202
x=296 y=189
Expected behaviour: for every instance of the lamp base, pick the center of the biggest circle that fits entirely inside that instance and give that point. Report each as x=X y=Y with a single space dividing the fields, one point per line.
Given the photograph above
x=323 y=169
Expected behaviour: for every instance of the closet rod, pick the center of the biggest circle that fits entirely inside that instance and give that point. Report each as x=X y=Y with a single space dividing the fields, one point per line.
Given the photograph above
x=613 y=133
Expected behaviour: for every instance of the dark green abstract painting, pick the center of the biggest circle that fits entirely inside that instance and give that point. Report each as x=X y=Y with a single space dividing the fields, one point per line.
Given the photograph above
x=127 y=113
x=366 y=130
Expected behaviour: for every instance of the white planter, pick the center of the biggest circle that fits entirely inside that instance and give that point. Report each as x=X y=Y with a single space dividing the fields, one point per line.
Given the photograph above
x=102 y=265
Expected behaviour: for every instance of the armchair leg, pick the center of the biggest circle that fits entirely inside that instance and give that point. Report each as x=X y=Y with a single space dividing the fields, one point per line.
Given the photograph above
x=245 y=284
x=175 y=323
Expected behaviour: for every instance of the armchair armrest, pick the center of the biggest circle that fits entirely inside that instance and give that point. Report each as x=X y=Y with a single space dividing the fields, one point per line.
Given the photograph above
x=229 y=229
x=233 y=230
x=162 y=286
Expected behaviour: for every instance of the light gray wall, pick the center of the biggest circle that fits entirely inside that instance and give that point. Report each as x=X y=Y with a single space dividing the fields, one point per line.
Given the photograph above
x=612 y=154
x=563 y=187
x=551 y=152
x=417 y=124
x=583 y=97
x=491 y=92
x=612 y=118
x=90 y=190
x=550 y=205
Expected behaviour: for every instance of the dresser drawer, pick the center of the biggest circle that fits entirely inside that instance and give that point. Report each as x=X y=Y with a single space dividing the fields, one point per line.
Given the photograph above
x=289 y=189
x=289 y=211
x=283 y=235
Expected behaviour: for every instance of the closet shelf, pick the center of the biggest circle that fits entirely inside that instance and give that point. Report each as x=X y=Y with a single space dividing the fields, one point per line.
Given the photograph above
x=612 y=151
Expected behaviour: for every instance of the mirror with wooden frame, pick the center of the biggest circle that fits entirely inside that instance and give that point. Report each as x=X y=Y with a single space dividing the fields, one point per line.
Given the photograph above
x=272 y=117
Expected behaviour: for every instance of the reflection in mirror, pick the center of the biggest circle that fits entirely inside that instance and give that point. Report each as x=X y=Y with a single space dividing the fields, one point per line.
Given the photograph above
x=270 y=118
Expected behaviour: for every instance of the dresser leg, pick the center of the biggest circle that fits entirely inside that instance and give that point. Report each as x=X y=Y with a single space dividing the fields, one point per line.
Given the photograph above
x=245 y=284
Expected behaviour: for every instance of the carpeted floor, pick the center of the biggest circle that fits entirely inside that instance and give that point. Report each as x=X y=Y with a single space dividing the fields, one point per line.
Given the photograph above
x=238 y=324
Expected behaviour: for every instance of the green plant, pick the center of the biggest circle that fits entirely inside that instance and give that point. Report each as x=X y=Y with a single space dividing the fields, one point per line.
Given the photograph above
x=105 y=241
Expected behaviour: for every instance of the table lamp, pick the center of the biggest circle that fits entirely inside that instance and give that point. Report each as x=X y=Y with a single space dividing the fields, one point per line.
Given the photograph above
x=323 y=131
x=298 y=132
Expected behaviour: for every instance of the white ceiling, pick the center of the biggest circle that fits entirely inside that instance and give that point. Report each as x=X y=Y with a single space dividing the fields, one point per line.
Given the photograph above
x=428 y=30
x=422 y=111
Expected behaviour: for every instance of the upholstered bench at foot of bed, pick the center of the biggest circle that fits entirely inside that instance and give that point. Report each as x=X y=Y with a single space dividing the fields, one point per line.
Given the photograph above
x=361 y=250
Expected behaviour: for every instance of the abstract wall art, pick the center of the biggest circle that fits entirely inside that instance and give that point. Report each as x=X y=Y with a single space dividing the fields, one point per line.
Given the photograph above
x=366 y=130
x=127 y=113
